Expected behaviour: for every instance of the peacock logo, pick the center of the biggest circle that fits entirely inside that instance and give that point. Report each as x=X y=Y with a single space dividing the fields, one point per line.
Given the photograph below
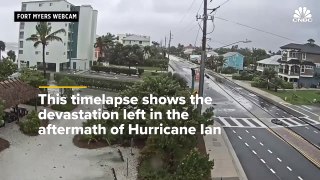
x=302 y=14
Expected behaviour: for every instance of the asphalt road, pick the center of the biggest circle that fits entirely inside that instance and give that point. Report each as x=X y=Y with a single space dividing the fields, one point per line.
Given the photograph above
x=262 y=154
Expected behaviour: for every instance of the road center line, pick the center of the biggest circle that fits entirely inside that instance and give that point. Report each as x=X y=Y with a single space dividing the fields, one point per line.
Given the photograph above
x=253 y=137
x=239 y=137
x=300 y=178
x=233 y=131
x=263 y=161
x=246 y=144
x=261 y=144
x=289 y=168
x=247 y=131
x=269 y=151
x=315 y=132
x=279 y=159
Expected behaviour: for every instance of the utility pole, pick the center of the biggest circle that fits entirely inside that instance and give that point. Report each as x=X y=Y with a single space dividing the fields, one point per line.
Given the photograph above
x=205 y=18
x=170 y=38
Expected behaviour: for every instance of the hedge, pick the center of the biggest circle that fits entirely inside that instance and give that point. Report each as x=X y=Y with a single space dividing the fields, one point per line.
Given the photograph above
x=110 y=84
x=115 y=70
x=228 y=70
x=243 y=77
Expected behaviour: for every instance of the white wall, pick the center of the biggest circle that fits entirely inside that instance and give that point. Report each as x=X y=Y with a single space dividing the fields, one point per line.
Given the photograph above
x=57 y=50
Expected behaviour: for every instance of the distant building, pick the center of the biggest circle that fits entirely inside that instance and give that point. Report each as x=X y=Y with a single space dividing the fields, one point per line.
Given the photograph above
x=195 y=58
x=271 y=62
x=133 y=39
x=301 y=61
x=211 y=53
x=78 y=43
x=189 y=49
x=233 y=59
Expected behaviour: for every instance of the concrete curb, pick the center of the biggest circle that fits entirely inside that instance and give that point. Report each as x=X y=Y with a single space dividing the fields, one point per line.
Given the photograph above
x=236 y=161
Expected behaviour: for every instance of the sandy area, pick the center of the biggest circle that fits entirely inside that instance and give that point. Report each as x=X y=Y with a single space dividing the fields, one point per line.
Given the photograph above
x=53 y=157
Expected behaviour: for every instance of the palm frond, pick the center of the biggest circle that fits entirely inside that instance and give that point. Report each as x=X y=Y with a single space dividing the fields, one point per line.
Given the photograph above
x=33 y=37
x=53 y=38
x=57 y=32
x=36 y=44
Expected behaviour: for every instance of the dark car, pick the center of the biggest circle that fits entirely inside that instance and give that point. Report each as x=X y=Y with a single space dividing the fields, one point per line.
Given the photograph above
x=277 y=122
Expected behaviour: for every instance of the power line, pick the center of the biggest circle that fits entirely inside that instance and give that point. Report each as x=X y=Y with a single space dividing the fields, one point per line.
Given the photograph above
x=187 y=11
x=257 y=29
x=195 y=42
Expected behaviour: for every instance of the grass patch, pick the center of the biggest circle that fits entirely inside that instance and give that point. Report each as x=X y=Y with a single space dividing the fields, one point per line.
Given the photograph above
x=64 y=108
x=298 y=97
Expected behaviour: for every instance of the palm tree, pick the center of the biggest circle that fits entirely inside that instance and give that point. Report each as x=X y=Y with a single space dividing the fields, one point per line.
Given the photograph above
x=44 y=36
x=2 y=48
x=12 y=55
x=146 y=51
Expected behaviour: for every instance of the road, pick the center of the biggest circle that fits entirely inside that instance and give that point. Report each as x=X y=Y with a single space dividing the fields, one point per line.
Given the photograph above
x=246 y=118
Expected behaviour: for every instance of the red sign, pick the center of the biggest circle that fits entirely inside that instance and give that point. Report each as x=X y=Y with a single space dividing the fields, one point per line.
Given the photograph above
x=197 y=75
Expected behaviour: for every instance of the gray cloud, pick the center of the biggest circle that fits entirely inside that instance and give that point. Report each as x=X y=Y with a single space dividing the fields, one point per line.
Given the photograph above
x=157 y=17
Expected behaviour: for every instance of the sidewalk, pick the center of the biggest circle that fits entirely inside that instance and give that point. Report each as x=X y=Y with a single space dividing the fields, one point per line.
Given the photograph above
x=226 y=162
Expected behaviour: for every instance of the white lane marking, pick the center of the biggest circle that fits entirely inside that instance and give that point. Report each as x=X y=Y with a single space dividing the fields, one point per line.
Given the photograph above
x=277 y=113
x=263 y=161
x=295 y=110
x=246 y=144
x=233 y=131
x=269 y=151
x=272 y=171
x=300 y=178
x=254 y=152
x=247 y=131
x=285 y=112
x=315 y=132
x=307 y=107
x=278 y=109
x=224 y=121
x=289 y=168
x=253 y=137
x=307 y=127
x=259 y=122
x=261 y=144
x=239 y=137
x=279 y=159
x=314 y=121
x=248 y=122
x=237 y=122
x=285 y=122
x=283 y=116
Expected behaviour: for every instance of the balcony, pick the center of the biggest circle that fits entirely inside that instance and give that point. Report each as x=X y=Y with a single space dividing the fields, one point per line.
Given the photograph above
x=287 y=73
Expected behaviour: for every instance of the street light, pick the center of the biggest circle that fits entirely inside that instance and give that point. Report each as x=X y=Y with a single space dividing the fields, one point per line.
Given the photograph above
x=202 y=69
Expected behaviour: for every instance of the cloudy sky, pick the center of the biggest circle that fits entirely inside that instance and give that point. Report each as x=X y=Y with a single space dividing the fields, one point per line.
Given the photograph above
x=157 y=17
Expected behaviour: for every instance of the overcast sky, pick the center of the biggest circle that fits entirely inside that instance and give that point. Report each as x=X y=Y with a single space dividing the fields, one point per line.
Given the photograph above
x=157 y=17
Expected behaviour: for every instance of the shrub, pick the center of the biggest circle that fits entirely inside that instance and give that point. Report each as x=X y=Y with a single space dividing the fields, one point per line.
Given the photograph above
x=140 y=71
x=115 y=70
x=110 y=84
x=287 y=85
x=228 y=70
x=31 y=125
x=243 y=76
x=259 y=82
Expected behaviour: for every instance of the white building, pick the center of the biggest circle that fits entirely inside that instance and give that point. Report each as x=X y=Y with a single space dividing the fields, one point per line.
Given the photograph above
x=133 y=39
x=271 y=62
x=78 y=43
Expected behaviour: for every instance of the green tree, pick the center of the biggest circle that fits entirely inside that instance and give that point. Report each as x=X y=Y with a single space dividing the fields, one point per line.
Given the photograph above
x=101 y=45
x=7 y=68
x=194 y=166
x=66 y=81
x=11 y=55
x=43 y=36
x=32 y=77
x=2 y=48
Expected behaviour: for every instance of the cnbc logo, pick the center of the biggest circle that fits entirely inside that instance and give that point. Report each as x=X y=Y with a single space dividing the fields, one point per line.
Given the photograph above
x=302 y=14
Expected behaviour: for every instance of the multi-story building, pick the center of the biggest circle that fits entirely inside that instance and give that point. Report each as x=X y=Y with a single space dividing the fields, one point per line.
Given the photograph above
x=301 y=63
x=77 y=49
x=269 y=63
x=133 y=39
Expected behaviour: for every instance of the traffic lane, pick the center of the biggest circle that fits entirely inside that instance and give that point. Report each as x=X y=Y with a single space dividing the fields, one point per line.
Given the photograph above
x=268 y=107
x=251 y=164
x=310 y=133
x=266 y=154
x=288 y=154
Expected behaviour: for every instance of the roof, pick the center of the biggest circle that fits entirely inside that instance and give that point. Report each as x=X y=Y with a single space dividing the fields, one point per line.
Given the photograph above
x=15 y=92
x=229 y=54
x=273 y=60
x=307 y=48
x=136 y=38
x=212 y=53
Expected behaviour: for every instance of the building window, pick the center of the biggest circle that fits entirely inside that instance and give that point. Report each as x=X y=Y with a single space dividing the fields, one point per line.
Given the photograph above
x=47 y=53
x=22 y=25
x=140 y=42
x=64 y=53
x=64 y=44
x=20 y=51
x=304 y=56
x=309 y=67
x=50 y=4
x=302 y=69
x=40 y=4
x=66 y=24
x=24 y=7
x=67 y=6
x=21 y=35
x=37 y=52
x=21 y=44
